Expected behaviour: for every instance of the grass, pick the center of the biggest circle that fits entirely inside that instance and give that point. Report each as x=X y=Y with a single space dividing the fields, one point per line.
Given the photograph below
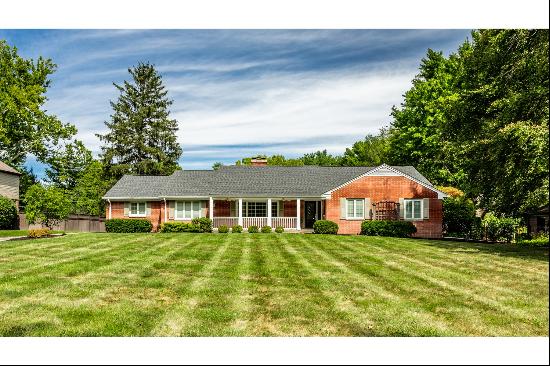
x=269 y=284
x=9 y=233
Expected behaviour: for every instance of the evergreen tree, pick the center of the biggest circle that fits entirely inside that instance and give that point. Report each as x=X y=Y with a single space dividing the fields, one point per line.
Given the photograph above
x=142 y=138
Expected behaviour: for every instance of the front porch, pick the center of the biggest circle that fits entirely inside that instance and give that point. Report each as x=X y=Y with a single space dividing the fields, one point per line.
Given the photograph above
x=291 y=214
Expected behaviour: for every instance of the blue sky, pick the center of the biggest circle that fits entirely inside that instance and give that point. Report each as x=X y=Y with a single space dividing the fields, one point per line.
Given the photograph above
x=239 y=93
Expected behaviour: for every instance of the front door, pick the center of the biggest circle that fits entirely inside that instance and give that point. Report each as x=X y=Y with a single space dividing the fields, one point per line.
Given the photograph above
x=310 y=213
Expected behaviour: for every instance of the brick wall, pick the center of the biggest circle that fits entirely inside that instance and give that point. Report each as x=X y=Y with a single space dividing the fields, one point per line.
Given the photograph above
x=386 y=188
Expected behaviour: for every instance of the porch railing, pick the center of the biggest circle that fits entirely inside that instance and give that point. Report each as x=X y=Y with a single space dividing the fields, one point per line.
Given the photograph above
x=257 y=221
x=227 y=221
x=286 y=222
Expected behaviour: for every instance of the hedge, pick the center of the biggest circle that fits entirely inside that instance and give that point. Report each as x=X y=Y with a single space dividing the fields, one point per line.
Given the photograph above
x=325 y=227
x=128 y=226
x=237 y=229
x=253 y=229
x=223 y=229
x=179 y=227
x=266 y=229
x=279 y=229
x=9 y=220
x=399 y=229
x=38 y=233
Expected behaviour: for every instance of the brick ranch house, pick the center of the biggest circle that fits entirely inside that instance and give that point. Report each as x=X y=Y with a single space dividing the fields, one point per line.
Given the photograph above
x=291 y=197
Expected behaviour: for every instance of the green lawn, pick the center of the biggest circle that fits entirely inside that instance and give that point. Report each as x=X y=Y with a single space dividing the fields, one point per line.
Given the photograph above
x=269 y=284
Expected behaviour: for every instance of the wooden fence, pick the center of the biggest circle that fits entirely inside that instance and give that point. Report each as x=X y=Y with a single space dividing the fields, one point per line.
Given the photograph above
x=81 y=223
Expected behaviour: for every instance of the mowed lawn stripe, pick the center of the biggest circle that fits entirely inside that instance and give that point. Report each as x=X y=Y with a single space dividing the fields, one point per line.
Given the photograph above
x=462 y=296
x=367 y=292
x=180 y=316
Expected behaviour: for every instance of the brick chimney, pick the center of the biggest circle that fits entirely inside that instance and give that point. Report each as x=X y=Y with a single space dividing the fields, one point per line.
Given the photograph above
x=258 y=161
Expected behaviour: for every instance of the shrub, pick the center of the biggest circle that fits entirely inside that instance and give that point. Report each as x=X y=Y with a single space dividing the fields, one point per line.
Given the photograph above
x=458 y=216
x=128 y=226
x=266 y=229
x=223 y=229
x=253 y=229
x=46 y=205
x=237 y=229
x=203 y=223
x=399 y=229
x=38 y=233
x=499 y=228
x=179 y=227
x=279 y=229
x=325 y=227
x=8 y=214
x=539 y=240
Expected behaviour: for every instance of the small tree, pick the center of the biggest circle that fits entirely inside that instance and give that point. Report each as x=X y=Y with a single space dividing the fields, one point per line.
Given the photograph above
x=8 y=214
x=46 y=205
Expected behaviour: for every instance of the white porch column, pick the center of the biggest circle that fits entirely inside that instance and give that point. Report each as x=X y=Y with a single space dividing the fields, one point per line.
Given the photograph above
x=298 y=226
x=165 y=211
x=240 y=220
x=110 y=210
x=210 y=208
x=269 y=212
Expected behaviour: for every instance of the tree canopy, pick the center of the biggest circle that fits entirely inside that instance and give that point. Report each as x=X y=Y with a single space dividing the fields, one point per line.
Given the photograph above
x=25 y=127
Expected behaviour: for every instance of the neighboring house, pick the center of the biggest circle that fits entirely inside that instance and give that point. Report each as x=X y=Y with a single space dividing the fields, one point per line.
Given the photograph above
x=537 y=220
x=9 y=182
x=291 y=197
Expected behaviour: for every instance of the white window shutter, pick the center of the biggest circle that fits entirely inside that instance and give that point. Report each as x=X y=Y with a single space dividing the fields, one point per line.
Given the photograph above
x=367 y=208
x=171 y=205
x=342 y=208
x=148 y=209
x=426 y=208
x=401 y=208
x=126 y=209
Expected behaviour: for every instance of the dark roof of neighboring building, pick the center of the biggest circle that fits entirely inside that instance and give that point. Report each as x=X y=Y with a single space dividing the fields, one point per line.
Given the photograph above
x=247 y=181
x=8 y=169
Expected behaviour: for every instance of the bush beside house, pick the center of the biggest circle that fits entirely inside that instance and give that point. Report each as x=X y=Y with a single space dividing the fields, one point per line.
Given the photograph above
x=9 y=220
x=399 y=229
x=223 y=229
x=128 y=226
x=237 y=229
x=325 y=227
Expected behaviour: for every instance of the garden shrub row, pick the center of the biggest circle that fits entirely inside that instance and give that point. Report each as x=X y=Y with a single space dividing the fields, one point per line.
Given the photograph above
x=38 y=233
x=128 y=226
x=197 y=225
x=539 y=240
x=395 y=228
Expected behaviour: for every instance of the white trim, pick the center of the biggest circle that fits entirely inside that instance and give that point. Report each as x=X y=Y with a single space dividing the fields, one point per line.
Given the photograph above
x=210 y=208
x=138 y=203
x=421 y=200
x=165 y=211
x=269 y=208
x=110 y=209
x=298 y=226
x=240 y=212
x=372 y=172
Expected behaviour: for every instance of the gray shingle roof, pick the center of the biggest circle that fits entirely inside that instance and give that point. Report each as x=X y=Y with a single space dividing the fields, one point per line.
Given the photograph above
x=246 y=181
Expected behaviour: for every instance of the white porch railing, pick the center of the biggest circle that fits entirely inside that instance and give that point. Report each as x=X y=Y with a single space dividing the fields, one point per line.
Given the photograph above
x=257 y=221
x=286 y=222
x=227 y=221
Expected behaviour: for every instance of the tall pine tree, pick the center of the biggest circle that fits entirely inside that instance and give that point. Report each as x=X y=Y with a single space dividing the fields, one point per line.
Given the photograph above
x=142 y=138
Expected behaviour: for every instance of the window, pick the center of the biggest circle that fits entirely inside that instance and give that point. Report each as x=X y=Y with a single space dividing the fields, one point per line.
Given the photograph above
x=274 y=209
x=413 y=209
x=355 y=208
x=256 y=209
x=137 y=209
x=187 y=210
